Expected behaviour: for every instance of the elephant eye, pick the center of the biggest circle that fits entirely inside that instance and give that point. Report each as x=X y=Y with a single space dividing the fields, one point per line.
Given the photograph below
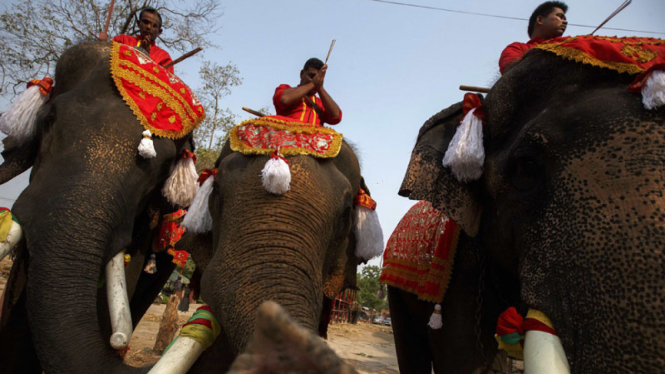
x=527 y=170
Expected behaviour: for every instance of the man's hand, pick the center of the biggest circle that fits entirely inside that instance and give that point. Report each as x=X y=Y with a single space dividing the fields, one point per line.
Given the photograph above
x=146 y=42
x=319 y=77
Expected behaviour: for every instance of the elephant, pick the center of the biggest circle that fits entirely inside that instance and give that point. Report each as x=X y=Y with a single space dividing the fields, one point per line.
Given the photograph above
x=90 y=197
x=297 y=249
x=570 y=203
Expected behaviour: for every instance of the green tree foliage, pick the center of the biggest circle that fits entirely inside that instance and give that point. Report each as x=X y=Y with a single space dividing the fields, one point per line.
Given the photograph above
x=368 y=281
x=213 y=131
x=34 y=33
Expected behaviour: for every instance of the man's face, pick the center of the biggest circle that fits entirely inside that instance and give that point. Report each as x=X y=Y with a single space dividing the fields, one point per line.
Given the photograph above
x=554 y=25
x=306 y=76
x=150 y=26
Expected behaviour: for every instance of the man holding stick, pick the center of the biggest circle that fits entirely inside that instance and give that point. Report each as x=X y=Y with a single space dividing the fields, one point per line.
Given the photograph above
x=547 y=21
x=301 y=103
x=150 y=26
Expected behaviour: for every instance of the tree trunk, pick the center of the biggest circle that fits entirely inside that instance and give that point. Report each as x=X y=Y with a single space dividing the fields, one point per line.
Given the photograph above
x=168 y=326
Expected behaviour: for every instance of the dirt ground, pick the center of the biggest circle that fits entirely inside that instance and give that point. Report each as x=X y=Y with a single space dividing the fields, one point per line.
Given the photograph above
x=369 y=348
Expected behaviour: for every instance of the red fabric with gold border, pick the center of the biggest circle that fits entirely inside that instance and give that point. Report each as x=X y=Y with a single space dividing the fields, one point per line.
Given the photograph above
x=420 y=253
x=170 y=231
x=163 y=103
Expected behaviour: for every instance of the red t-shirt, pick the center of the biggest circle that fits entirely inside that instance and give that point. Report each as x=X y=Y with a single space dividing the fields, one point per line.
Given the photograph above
x=303 y=112
x=157 y=54
x=514 y=52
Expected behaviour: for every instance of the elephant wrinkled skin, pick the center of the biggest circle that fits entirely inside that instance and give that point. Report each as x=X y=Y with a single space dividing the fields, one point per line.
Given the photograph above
x=570 y=202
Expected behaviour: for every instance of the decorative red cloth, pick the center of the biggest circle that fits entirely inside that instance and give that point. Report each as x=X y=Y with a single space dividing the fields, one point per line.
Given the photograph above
x=157 y=54
x=420 y=252
x=163 y=103
x=179 y=257
x=45 y=85
x=510 y=322
x=624 y=55
x=265 y=135
x=363 y=199
x=170 y=231
x=303 y=111
x=514 y=52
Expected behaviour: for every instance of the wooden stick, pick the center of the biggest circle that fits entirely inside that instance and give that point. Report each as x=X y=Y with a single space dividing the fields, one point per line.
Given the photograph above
x=619 y=9
x=254 y=112
x=332 y=44
x=474 y=89
x=104 y=36
x=183 y=57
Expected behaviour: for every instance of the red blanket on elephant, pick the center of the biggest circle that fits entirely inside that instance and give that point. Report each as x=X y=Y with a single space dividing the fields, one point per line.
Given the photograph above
x=163 y=103
x=624 y=55
x=420 y=253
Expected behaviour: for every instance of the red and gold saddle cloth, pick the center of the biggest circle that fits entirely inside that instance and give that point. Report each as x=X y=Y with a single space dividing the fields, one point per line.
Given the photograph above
x=163 y=103
x=420 y=253
x=170 y=231
x=265 y=135
x=624 y=55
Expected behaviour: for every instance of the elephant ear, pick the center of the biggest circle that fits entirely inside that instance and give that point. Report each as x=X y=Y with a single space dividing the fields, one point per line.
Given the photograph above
x=427 y=179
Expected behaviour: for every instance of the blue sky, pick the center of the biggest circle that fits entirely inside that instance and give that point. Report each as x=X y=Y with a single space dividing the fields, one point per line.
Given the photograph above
x=392 y=67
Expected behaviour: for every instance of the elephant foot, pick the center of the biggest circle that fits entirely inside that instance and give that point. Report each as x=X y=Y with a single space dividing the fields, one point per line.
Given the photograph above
x=280 y=345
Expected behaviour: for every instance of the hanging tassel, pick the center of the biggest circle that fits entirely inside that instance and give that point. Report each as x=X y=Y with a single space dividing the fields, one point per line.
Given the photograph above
x=151 y=267
x=146 y=147
x=19 y=121
x=127 y=258
x=435 y=321
x=466 y=155
x=653 y=91
x=276 y=174
x=180 y=188
x=198 y=219
x=369 y=235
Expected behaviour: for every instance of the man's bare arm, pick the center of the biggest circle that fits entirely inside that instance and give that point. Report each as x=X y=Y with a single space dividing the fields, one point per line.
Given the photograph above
x=329 y=104
x=294 y=95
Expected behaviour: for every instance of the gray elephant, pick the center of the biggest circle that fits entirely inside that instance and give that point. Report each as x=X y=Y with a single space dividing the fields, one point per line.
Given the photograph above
x=297 y=249
x=570 y=202
x=90 y=196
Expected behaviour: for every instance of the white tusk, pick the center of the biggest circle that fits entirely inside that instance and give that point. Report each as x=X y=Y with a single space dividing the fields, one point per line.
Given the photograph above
x=116 y=294
x=179 y=358
x=543 y=354
x=13 y=237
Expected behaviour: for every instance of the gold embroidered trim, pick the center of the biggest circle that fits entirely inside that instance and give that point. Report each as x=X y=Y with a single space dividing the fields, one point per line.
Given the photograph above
x=238 y=145
x=119 y=74
x=579 y=56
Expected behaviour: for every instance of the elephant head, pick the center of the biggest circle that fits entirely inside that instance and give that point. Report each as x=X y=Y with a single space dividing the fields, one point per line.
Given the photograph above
x=90 y=196
x=297 y=249
x=570 y=201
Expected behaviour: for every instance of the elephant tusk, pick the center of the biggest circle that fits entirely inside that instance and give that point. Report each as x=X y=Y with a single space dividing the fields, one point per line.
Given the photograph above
x=179 y=358
x=13 y=237
x=544 y=354
x=116 y=293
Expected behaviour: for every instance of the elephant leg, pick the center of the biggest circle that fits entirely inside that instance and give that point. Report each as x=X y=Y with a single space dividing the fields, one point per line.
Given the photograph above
x=412 y=342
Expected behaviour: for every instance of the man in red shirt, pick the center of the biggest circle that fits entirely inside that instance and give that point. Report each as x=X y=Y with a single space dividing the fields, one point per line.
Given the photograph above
x=547 y=21
x=150 y=25
x=301 y=104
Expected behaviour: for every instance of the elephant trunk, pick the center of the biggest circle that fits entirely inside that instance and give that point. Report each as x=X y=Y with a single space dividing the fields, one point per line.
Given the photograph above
x=253 y=274
x=68 y=256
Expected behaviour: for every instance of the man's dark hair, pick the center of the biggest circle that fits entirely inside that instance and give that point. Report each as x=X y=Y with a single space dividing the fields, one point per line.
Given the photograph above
x=544 y=10
x=313 y=63
x=153 y=11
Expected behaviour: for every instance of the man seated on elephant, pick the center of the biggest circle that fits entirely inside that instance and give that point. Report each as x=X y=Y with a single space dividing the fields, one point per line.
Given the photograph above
x=301 y=104
x=547 y=21
x=150 y=25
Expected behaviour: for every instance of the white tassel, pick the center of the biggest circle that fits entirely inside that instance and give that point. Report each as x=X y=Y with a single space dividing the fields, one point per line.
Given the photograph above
x=653 y=91
x=151 y=266
x=146 y=147
x=19 y=120
x=466 y=155
x=435 y=321
x=198 y=219
x=181 y=187
x=369 y=236
x=276 y=176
